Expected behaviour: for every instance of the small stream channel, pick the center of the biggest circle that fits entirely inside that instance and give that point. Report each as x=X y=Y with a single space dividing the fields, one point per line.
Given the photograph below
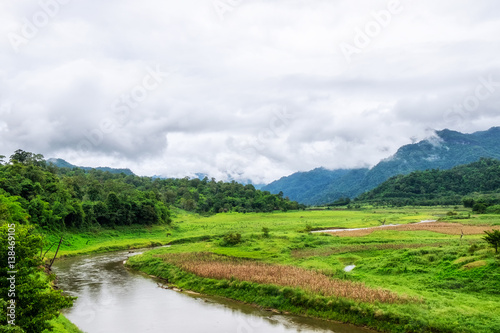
x=112 y=299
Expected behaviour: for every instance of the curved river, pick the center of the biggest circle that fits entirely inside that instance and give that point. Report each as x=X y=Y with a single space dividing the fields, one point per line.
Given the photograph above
x=112 y=299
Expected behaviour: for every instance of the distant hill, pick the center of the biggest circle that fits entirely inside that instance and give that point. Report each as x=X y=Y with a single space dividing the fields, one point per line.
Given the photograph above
x=63 y=164
x=318 y=185
x=431 y=187
x=443 y=151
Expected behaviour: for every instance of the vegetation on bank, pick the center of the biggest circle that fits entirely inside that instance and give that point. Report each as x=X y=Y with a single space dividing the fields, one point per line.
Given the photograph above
x=62 y=211
x=28 y=302
x=62 y=325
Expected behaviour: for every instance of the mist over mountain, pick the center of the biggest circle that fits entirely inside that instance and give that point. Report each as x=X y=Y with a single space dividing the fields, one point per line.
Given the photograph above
x=445 y=150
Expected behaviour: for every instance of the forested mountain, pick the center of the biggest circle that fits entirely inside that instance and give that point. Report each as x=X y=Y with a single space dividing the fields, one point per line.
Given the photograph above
x=444 y=151
x=56 y=198
x=318 y=185
x=433 y=187
x=60 y=163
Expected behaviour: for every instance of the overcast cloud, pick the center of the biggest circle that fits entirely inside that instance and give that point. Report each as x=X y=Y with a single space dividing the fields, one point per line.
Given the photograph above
x=252 y=89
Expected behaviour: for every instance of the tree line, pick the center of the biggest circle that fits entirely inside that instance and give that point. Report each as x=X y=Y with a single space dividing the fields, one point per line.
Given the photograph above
x=480 y=180
x=58 y=198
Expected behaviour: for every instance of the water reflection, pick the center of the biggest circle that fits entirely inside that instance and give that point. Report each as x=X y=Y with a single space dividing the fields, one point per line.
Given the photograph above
x=114 y=299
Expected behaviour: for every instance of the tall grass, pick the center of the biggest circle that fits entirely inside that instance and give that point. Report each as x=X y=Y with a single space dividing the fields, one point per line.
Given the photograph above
x=218 y=267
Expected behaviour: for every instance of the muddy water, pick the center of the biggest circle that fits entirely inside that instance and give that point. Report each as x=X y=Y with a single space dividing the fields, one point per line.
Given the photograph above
x=112 y=299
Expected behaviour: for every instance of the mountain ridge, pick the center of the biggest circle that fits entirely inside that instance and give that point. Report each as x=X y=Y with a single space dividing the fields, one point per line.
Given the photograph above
x=60 y=163
x=448 y=148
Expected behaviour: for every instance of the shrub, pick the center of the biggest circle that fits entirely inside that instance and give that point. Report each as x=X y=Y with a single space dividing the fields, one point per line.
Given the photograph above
x=231 y=239
x=493 y=209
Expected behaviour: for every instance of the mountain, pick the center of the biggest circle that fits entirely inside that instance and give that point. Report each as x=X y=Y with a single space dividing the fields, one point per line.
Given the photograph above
x=63 y=164
x=308 y=187
x=443 y=151
x=432 y=187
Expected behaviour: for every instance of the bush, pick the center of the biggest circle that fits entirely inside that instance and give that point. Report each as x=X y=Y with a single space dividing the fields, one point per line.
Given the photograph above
x=493 y=209
x=479 y=208
x=231 y=239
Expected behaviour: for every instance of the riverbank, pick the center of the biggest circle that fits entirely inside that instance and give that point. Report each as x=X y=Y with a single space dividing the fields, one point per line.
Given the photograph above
x=63 y=325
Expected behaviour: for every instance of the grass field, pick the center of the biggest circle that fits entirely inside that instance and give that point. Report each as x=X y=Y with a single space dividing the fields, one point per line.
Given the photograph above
x=437 y=279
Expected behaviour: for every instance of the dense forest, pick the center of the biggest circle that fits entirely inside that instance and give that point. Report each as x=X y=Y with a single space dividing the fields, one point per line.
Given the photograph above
x=56 y=198
x=479 y=181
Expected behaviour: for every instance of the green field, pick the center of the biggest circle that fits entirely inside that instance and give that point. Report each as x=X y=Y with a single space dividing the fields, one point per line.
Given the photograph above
x=456 y=280
x=189 y=227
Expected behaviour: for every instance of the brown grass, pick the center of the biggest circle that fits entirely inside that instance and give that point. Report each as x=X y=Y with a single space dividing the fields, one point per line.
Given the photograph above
x=475 y=264
x=440 y=227
x=217 y=267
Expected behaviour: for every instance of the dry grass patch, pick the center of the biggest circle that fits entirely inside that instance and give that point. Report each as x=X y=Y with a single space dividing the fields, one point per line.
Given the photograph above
x=218 y=267
x=475 y=264
x=439 y=227
x=462 y=260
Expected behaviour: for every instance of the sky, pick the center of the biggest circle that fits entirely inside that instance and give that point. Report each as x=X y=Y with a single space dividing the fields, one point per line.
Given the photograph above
x=242 y=89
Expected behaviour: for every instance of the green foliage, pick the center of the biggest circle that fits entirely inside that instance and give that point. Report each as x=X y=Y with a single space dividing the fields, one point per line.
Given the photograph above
x=265 y=232
x=231 y=239
x=479 y=208
x=444 y=187
x=494 y=209
x=65 y=198
x=36 y=302
x=340 y=202
x=493 y=238
x=448 y=149
x=62 y=325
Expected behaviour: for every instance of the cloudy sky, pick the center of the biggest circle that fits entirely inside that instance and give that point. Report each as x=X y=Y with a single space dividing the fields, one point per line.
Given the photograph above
x=252 y=89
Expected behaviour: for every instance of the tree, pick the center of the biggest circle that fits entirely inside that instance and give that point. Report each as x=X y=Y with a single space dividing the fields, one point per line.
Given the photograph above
x=479 y=208
x=27 y=158
x=493 y=237
x=36 y=303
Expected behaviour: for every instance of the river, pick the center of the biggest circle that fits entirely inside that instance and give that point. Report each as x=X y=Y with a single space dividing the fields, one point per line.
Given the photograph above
x=112 y=299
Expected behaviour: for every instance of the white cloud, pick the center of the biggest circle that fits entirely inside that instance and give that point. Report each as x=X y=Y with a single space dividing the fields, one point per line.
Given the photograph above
x=215 y=112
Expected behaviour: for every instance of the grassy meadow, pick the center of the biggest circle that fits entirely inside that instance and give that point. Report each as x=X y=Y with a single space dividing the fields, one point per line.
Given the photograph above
x=413 y=278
